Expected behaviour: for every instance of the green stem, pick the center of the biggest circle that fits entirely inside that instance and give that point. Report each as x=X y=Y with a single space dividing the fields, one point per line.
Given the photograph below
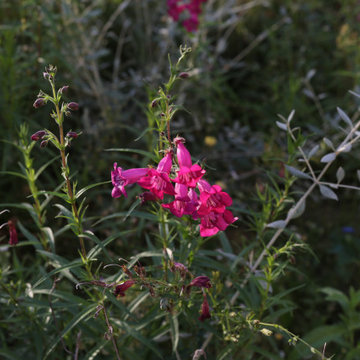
x=65 y=171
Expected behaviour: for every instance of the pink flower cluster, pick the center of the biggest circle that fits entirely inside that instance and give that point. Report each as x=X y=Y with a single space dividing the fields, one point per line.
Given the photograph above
x=191 y=7
x=209 y=205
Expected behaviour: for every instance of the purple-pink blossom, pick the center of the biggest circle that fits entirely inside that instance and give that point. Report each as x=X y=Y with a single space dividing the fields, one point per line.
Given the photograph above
x=212 y=198
x=158 y=181
x=188 y=10
x=188 y=174
x=183 y=204
x=214 y=222
x=120 y=178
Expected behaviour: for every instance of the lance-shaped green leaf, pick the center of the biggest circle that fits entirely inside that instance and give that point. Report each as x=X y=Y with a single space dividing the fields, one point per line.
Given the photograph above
x=296 y=172
x=327 y=192
x=279 y=224
x=344 y=117
x=328 y=158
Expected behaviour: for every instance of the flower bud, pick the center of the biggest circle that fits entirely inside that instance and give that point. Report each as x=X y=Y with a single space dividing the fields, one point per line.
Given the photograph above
x=64 y=89
x=154 y=103
x=72 y=134
x=73 y=106
x=44 y=143
x=38 y=103
x=13 y=234
x=38 y=135
x=184 y=75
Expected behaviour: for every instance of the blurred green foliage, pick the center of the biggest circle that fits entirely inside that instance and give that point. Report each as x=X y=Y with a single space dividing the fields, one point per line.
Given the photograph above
x=251 y=60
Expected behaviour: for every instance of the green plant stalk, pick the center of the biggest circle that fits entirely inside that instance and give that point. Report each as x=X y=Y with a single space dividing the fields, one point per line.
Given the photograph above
x=65 y=172
x=30 y=177
x=294 y=337
x=110 y=330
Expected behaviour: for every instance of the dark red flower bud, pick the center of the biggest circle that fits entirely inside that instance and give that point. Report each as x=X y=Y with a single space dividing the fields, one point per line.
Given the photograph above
x=64 y=89
x=44 y=143
x=154 y=103
x=73 y=106
x=184 y=75
x=205 y=311
x=13 y=234
x=38 y=103
x=38 y=135
x=72 y=134
x=147 y=196
x=120 y=289
x=201 y=281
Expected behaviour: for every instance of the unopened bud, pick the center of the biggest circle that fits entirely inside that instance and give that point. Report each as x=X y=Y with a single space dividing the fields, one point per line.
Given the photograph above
x=44 y=143
x=38 y=103
x=72 y=134
x=38 y=135
x=184 y=75
x=64 y=89
x=266 y=332
x=154 y=103
x=73 y=106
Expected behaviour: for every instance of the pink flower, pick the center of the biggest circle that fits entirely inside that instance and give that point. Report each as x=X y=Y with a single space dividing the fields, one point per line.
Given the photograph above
x=214 y=222
x=188 y=174
x=205 y=311
x=120 y=178
x=120 y=289
x=182 y=205
x=193 y=10
x=212 y=198
x=174 y=10
x=157 y=181
x=191 y=24
x=13 y=234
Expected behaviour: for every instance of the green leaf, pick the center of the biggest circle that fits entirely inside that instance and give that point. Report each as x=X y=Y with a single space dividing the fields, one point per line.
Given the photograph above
x=81 y=316
x=38 y=173
x=13 y=173
x=139 y=214
x=138 y=336
x=337 y=296
x=62 y=265
x=93 y=237
x=86 y=188
x=96 y=249
x=174 y=327
x=50 y=236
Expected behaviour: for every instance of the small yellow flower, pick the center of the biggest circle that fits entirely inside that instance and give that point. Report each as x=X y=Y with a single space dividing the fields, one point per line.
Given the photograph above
x=210 y=141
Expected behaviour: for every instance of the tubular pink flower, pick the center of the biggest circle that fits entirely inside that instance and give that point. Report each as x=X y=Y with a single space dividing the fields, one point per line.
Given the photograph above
x=120 y=289
x=157 y=181
x=182 y=205
x=205 y=310
x=120 y=178
x=214 y=222
x=212 y=198
x=188 y=174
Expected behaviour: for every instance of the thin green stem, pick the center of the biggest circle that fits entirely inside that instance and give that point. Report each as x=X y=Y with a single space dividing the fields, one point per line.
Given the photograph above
x=65 y=172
